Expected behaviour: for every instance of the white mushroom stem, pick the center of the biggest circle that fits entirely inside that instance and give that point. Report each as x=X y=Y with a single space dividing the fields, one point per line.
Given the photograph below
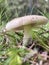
x=27 y=34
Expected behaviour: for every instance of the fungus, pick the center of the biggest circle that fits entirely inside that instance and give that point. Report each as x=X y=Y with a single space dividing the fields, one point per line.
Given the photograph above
x=26 y=23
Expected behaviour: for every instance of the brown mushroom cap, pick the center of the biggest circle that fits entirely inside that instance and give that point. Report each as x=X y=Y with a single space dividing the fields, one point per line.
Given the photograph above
x=20 y=22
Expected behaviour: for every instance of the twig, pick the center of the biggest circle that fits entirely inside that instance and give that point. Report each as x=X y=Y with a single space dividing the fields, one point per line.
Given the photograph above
x=29 y=55
x=32 y=45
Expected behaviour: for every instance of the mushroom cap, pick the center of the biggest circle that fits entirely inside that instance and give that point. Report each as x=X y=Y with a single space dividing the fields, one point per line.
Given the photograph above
x=19 y=23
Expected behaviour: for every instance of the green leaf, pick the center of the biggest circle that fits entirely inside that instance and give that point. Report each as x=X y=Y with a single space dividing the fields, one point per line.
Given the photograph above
x=16 y=60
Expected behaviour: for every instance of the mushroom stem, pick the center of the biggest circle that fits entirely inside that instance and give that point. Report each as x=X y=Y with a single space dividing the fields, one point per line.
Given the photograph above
x=27 y=34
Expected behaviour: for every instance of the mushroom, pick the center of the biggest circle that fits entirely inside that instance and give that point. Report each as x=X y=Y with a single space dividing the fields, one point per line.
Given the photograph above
x=25 y=23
